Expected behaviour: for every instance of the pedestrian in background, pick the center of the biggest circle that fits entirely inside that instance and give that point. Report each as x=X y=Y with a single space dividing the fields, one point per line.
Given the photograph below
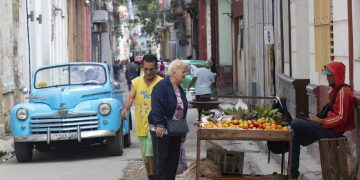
x=338 y=119
x=140 y=94
x=203 y=79
x=168 y=102
x=116 y=68
x=120 y=67
x=132 y=71
x=162 y=69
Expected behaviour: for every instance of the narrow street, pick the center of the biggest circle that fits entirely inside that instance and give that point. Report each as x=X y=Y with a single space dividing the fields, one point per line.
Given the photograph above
x=58 y=59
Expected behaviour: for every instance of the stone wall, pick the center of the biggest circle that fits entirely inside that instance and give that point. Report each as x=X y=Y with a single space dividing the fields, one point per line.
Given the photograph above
x=294 y=90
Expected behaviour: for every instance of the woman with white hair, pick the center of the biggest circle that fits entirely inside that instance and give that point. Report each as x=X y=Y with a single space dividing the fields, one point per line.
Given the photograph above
x=203 y=79
x=168 y=104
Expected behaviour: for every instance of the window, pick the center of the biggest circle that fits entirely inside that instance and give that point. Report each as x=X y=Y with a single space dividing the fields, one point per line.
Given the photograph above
x=80 y=74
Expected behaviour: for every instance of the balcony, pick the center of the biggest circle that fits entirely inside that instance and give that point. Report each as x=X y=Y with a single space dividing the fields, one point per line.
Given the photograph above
x=100 y=16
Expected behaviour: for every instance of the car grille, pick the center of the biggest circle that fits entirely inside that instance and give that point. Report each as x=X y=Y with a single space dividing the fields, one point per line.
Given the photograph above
x=60 y=123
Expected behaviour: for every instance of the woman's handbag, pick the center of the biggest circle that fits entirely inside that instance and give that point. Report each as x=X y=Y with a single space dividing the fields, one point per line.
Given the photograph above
x=177 y=127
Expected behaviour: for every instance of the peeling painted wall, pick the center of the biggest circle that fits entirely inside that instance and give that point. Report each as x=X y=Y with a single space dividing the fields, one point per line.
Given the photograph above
x=6 y=45
x=47 y=44
x=78 y=40
x=9 y=57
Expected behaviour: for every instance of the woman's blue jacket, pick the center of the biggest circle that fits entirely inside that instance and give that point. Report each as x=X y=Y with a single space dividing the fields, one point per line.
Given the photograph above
x=164 y=102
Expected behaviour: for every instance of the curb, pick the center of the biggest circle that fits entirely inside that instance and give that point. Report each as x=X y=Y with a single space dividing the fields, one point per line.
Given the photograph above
x=6 y=148
x=6 y=144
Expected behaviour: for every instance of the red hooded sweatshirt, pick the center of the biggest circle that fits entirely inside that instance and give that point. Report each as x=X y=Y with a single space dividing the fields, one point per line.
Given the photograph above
x=341 y=118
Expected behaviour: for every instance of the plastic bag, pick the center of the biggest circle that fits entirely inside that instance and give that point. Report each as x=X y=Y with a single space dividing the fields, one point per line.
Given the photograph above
x=182 y=165
x=189 y=96
x=241 y=104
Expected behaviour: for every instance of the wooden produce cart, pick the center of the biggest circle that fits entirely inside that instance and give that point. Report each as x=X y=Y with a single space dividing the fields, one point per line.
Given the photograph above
x=242 y=134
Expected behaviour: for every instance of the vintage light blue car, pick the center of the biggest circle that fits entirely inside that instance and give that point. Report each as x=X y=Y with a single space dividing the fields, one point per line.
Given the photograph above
x=74 y=102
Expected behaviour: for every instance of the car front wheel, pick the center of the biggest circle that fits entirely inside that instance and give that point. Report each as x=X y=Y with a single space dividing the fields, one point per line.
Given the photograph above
x=127 y=140
x=23 y=151
x=115 y=144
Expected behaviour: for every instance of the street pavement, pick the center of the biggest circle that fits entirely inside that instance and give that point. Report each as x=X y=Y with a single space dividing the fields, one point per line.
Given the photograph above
x=93 y=163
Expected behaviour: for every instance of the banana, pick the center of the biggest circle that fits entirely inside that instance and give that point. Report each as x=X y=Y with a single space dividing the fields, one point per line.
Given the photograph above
x=265 y=114
x=273 y=112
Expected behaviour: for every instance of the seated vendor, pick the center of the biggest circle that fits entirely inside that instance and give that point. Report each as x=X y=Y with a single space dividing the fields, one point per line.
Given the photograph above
x=203 y=79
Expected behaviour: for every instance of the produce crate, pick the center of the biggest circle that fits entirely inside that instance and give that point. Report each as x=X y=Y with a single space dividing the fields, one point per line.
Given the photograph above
x=230 y=162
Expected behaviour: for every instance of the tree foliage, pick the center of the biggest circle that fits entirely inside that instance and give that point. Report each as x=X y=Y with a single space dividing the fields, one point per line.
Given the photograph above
x=147 y=13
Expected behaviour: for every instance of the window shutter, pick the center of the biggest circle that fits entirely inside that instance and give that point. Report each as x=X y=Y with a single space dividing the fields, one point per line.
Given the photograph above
x=323 y=25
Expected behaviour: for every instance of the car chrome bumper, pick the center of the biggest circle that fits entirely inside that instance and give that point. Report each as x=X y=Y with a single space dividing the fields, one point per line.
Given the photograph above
x=64 y=136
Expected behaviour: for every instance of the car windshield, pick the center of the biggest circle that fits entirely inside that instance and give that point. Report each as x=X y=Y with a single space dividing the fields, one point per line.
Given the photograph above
x=70 y=75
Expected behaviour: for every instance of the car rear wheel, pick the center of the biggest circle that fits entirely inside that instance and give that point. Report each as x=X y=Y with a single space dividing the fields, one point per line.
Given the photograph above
x=115 y=144
x=23 y=151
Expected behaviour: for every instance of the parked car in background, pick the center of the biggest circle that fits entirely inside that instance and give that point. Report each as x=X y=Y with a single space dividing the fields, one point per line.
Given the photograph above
x=193 y=66
x=74 y=102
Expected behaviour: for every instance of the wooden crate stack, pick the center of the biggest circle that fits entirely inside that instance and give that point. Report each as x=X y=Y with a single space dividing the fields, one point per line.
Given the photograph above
x=230 y=162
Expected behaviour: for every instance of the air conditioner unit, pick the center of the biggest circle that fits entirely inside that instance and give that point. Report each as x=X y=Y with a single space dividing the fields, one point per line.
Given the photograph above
x=95 y=28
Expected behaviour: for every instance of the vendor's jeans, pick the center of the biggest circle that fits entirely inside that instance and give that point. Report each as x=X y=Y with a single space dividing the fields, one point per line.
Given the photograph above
x=166 y=156
x=305 y=133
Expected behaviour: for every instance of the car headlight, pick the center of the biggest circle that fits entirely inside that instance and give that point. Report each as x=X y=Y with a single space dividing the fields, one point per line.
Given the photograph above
x=22 y=114
x=104 y=109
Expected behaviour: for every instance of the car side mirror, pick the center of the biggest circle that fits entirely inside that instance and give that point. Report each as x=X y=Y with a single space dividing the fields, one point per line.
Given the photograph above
x=115 y=83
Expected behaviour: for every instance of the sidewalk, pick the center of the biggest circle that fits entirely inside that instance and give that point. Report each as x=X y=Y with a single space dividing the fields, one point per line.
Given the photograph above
x=6 y=147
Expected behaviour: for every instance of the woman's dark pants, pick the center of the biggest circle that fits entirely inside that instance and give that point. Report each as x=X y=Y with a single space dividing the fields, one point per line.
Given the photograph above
x=166 y=156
